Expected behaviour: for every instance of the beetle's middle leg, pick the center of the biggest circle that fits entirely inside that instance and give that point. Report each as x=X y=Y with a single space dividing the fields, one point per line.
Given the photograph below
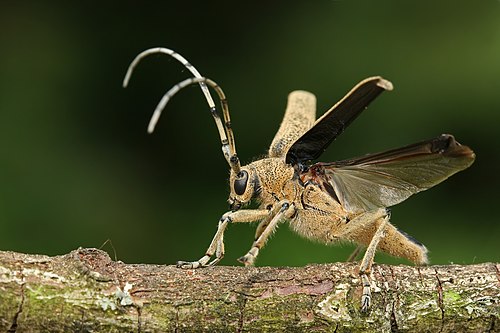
x=355 y=253
x=281 y=211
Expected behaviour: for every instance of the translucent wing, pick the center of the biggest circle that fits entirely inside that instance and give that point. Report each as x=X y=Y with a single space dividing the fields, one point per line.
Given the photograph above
x=387 y=178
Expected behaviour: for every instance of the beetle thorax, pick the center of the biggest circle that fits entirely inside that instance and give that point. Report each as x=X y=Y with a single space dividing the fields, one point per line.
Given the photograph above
x=273 y=174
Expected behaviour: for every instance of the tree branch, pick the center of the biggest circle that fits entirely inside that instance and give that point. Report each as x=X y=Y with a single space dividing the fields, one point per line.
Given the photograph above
x=85 y=291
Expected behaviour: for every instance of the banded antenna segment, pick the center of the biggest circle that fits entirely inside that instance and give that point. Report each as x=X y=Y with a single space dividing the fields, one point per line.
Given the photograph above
x=225 y=130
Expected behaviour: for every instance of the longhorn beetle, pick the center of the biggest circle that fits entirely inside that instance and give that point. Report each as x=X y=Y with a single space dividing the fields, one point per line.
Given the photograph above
x=327 y=202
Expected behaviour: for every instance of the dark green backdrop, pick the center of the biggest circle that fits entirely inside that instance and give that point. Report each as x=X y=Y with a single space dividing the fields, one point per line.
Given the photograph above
x=77 y=167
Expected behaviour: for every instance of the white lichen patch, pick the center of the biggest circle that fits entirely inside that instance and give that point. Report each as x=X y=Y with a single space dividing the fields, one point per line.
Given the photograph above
x=6 y=275
x=479 y=306
x=420 y=308
x=119 y=298
x=107 y=303
x=334 y=306
x=43 y=274
x=124 y=296
x=4 y=271
x=84 y=299
x=53 y=276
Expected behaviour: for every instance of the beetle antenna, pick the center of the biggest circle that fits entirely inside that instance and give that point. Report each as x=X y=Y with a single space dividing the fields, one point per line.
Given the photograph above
x=228 y=144
x=225 y=130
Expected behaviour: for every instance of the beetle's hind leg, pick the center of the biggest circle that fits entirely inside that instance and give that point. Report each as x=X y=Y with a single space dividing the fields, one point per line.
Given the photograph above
x=366 y=263
x=366 y=229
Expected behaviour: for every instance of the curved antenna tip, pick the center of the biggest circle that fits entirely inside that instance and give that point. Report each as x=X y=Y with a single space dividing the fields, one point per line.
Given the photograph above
x=138 y=58
x=125 y=82
x=126 y=79
x=151 y=129
x=154 y=118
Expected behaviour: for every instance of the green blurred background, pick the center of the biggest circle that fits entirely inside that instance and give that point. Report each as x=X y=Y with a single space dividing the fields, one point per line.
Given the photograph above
x=77 y=167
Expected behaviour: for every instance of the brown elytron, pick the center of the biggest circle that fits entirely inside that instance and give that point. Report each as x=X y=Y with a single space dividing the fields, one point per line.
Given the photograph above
x=326 y=202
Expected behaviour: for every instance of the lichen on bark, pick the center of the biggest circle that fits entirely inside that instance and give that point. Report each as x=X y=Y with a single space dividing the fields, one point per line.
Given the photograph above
x=86 y=291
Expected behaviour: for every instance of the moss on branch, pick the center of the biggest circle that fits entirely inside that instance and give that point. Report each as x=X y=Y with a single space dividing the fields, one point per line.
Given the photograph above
x=85 y=291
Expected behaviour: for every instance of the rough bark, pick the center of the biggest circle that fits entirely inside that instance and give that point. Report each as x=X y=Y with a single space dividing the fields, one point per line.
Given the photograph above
x=85 y=291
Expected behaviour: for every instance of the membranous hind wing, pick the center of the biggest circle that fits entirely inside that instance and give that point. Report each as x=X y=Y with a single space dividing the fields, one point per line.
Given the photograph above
x=312 y=143
x=387 y=178
x=300 y=115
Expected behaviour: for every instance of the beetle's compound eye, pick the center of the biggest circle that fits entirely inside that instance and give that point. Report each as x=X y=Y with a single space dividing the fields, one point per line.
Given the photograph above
x=240 y=183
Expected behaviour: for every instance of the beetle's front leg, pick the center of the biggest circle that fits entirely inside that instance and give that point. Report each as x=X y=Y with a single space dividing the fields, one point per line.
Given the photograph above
x=217 y=245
